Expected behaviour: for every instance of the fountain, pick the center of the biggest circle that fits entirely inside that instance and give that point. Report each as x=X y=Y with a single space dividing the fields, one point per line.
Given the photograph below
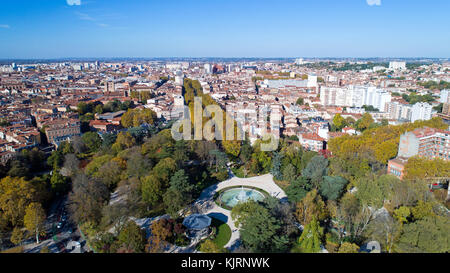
x=242 y=196
x=234 y=196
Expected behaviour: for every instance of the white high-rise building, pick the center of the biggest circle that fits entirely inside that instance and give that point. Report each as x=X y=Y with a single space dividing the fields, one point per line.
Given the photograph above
x=333 y=96
x=299 y=61
x=399 y=111
x=312 y=80
x=208 y=68
x=358 y=95
x=421 y=111
x=444 y=96
x=382 y=99
x=397 y=65
x=179 y=80
x=355 y=96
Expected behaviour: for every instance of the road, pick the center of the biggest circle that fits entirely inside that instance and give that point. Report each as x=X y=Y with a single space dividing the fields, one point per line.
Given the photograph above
x=57 y=236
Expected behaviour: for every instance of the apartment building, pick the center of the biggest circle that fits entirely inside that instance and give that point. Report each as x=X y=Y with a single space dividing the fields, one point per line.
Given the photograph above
x=421 y=111
x=62 y=129
x=312 y=141
x=355 y=96
x=425 y=142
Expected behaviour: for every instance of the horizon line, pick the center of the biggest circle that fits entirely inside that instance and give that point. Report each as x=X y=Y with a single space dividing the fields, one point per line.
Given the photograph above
x=219 y=57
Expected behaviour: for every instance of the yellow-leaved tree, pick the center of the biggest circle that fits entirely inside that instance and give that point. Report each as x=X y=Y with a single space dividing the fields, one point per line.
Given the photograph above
x=34 y=219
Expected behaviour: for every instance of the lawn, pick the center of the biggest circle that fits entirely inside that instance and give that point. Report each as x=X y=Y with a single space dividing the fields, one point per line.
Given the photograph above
x=282 y=184
x=223 y=232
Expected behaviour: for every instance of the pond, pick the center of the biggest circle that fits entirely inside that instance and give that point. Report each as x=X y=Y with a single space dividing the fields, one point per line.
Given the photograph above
x=232 y=197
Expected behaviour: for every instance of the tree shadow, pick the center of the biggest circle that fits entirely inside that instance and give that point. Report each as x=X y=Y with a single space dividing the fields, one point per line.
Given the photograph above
x=235 y=245
x=220 y=216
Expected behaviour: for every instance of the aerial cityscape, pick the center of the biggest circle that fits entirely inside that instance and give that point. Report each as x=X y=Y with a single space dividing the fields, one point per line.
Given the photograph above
x=116 y=137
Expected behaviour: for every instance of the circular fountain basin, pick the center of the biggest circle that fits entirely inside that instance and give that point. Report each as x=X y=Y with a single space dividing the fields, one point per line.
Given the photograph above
x=232 y=197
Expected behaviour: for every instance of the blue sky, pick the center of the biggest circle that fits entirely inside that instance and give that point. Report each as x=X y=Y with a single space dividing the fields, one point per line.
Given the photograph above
x=224 y=28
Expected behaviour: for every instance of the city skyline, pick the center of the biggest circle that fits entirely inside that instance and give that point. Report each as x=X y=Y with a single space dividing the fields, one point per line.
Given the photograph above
x=147 y=29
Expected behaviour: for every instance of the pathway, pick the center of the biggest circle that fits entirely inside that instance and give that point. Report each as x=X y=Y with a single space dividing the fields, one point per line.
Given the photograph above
x=206 y=205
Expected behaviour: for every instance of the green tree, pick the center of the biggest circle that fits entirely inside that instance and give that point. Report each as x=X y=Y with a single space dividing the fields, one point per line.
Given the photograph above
x=289 y=173
x=339 y=122
x=311 y=238
x=355 y=216
x=259 y=233
x=164 y=170
x=347 y=247
x=180 y=182
x=208 y=246
x=98 y=109
x=174 y=202
x=59 y=184
x=428 y=235
x=276 y=166
x=180 y=153
x=109 y=174
x=132 y=238
x=56 y=159
x=373 y=192
x=422 y=210
x=138 y=165
x=152 y=190
x=246 y=151
x=402 y=214
x=243 y=210
x=84 y=108
x=364 y=122
x=316 y=170
x=92 y=141
x=332 y=187
x=125 y=140
x=298 y=189
x=385 y=230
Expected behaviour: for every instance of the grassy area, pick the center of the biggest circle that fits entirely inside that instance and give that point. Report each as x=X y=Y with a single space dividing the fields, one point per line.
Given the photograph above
x=223 y=232
x=282 y=184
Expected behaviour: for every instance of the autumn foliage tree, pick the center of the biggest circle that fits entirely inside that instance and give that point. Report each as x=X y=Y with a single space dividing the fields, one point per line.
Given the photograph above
x=420 y=168
x=312 y=206
x=381 y=142
x=137 y=117
x=34 y=219
x=15 y=196
x=160 y=233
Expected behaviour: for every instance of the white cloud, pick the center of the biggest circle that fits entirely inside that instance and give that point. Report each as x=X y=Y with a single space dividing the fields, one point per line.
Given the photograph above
x=374 y=2
x=4 y=26
x=73 y=2
x=84 y=16
x=103 y=25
